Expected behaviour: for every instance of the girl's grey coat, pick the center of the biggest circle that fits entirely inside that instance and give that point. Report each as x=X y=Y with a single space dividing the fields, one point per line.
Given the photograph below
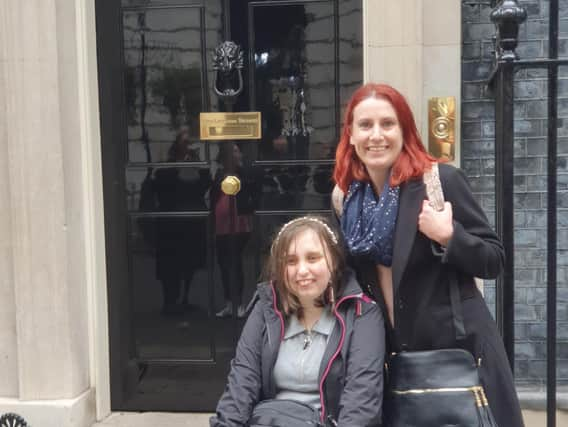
x=422 y=311
x=351 y=372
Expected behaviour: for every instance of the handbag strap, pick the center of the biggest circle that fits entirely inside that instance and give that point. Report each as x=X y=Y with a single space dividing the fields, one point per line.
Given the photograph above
x=435 y=195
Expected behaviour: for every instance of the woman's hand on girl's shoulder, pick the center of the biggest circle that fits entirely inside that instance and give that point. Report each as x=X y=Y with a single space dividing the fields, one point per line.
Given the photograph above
x=436 y=225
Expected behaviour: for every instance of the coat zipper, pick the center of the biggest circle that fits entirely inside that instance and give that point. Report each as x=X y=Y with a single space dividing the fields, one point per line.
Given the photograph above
x=478 y=392
x=340 y=345
x=361 y=296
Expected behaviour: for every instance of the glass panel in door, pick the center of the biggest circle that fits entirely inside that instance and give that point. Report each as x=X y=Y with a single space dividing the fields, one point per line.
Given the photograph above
x=178 y=355
x=194 y=246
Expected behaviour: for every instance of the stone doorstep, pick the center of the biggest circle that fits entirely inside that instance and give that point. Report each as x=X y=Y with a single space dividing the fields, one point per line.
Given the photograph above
x=76 y=412
x=73 y=413
x=164 y=419
x=152 y=419
x=538 y=418
x=536 y=400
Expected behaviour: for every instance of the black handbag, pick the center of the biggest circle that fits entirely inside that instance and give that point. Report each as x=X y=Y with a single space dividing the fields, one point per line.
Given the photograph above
x=437 y=387
x=284 y=413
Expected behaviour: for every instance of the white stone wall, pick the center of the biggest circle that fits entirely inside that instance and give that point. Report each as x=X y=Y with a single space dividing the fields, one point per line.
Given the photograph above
x=8 y=341
x=44 y=350
x=415 y=46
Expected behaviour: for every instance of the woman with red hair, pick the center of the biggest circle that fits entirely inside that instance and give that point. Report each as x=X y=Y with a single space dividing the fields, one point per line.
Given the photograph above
x=405 y=252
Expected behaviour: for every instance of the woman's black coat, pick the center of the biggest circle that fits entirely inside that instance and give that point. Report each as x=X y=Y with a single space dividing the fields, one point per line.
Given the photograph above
x=422 y=311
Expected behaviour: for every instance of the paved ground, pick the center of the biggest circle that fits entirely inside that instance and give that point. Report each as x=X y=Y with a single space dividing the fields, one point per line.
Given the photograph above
x=154 y=419
x=163 y=419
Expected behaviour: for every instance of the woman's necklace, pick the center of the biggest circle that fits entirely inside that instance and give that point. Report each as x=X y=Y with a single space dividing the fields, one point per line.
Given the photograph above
x=307 y=339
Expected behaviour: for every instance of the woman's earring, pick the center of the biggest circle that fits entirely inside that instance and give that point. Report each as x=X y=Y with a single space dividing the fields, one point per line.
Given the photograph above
x=330 y=294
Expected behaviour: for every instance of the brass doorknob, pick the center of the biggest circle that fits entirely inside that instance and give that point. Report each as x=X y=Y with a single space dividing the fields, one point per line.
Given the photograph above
x=231 y=185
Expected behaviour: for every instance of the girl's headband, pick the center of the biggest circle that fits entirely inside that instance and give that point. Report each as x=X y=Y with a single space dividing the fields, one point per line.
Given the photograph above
x=327 y=228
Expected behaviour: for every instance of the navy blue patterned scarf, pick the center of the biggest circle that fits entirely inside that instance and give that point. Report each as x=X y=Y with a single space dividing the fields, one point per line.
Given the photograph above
x=368 y=221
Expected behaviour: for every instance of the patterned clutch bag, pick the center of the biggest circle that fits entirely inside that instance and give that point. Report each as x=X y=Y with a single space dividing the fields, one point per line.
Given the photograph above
x=434 y=187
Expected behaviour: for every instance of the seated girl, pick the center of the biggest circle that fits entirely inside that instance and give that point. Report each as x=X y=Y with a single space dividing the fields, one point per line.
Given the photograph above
x=312 y=336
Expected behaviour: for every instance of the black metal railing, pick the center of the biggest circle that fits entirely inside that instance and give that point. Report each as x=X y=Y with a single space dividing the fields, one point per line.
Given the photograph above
x=12 y=420
x=508 y=15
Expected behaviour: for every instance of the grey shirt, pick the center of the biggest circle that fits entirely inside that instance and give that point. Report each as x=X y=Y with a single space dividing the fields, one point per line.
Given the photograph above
x=299 y=359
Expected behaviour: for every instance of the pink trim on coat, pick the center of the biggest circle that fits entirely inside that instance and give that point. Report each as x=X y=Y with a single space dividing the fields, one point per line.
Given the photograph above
x=360 y=296
x=275 y=305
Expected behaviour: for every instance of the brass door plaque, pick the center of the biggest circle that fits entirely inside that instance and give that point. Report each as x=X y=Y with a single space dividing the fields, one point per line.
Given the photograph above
x=442 y=127
x=220 y=126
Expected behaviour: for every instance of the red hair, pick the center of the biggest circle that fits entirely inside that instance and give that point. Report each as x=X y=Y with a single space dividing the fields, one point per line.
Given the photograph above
x=412 y=161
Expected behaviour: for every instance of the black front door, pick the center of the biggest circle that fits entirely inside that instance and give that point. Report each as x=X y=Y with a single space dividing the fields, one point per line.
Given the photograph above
x=185 y=245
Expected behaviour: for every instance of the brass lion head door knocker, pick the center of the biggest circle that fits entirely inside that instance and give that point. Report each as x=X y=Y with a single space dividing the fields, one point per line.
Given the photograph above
x=228 y=65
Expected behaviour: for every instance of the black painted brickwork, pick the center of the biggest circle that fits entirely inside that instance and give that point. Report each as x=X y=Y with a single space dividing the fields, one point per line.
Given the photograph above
x=477 y=145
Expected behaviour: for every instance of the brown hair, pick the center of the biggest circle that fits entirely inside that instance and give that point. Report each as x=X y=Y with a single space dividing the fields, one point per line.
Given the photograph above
x=275 y=269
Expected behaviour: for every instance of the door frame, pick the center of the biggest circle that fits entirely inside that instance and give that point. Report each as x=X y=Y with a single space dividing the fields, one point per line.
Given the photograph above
x=109 y=94
x=118 y=337
x=93 y=206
